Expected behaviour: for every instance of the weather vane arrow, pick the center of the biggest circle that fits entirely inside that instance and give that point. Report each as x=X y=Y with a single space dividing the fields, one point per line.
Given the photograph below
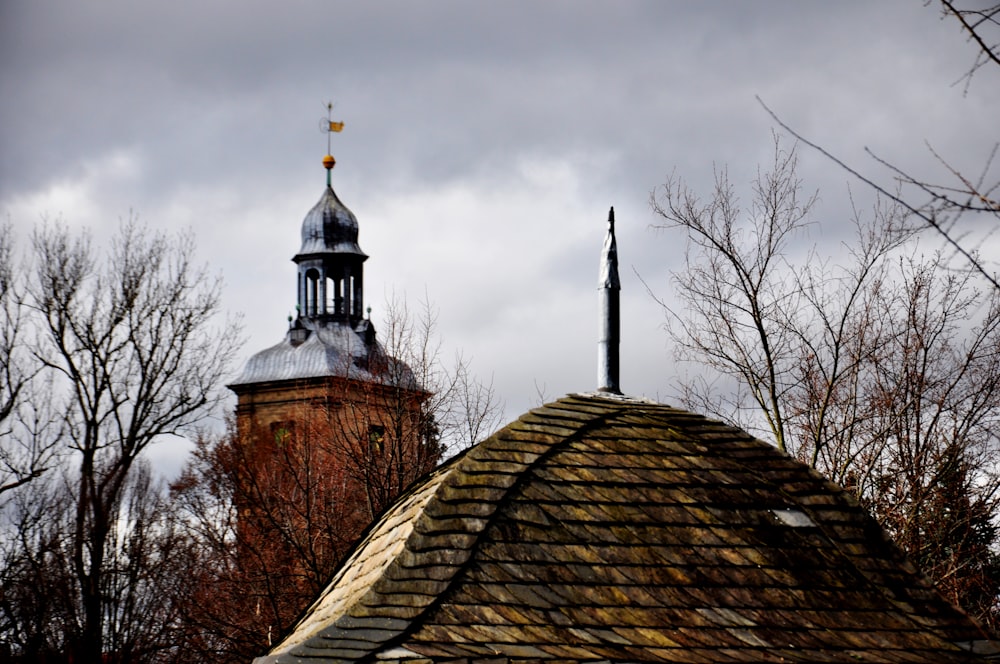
x=328 y=125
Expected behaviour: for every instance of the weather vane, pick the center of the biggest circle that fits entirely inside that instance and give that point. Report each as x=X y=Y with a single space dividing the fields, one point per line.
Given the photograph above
x=328 y=125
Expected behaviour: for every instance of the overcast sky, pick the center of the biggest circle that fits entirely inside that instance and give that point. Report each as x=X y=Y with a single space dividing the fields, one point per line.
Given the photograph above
x=483 y=143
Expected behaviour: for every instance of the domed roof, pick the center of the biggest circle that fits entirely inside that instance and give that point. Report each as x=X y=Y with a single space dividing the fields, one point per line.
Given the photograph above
x=330 y=227
x=610 y=529
x=328 y=350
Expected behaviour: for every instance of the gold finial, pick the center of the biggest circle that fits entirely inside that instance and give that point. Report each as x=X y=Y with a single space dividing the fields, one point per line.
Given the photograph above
x=329 y=161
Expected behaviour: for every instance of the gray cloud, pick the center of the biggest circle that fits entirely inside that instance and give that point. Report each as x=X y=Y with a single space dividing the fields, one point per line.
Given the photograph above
x=483 y=142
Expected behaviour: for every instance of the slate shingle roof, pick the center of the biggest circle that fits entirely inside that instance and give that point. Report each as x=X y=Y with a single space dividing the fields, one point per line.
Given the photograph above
x=601 y=529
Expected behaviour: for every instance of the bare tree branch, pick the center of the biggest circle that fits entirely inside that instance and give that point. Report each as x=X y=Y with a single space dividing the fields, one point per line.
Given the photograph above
x=975 y=23
x=928 y=215
x=28 y=440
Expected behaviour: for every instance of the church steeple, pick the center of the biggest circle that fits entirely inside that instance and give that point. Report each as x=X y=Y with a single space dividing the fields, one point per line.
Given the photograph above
x=330 y=262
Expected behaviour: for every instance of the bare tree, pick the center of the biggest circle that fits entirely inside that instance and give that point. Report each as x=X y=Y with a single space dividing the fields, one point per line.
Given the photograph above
x=270 y=521
x=747 y=308
x=35 y=588
x=27 y=437
x=147 y=568
x=12 y=375
x=881 y=369
x=127 y=343
x=418 y=409
x=931 y=475
x=962 y=208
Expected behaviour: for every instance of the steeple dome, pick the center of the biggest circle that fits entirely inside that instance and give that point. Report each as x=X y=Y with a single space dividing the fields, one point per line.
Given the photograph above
x=330 y=228
x=330 y=336
x=330 y=274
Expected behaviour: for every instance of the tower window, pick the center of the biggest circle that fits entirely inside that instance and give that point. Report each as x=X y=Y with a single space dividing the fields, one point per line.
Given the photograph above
x=313 y=296
x=282 y=432
x=376 y=439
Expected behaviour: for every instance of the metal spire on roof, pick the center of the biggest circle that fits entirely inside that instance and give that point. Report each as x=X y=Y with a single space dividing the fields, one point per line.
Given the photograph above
x=609 y=290
x=329 y=126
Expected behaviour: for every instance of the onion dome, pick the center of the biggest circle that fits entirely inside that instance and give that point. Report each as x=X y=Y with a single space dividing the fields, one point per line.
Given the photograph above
x=330 y=227
x=331 y=276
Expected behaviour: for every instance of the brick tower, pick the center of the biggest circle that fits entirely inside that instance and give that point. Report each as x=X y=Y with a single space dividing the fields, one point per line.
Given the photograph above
x=328 y=395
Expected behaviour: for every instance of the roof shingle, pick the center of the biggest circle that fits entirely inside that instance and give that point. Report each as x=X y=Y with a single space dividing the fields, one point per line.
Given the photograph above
x=604 y=528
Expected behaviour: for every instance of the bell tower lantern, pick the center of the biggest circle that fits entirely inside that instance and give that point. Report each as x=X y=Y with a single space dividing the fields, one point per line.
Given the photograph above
x=330 y=262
